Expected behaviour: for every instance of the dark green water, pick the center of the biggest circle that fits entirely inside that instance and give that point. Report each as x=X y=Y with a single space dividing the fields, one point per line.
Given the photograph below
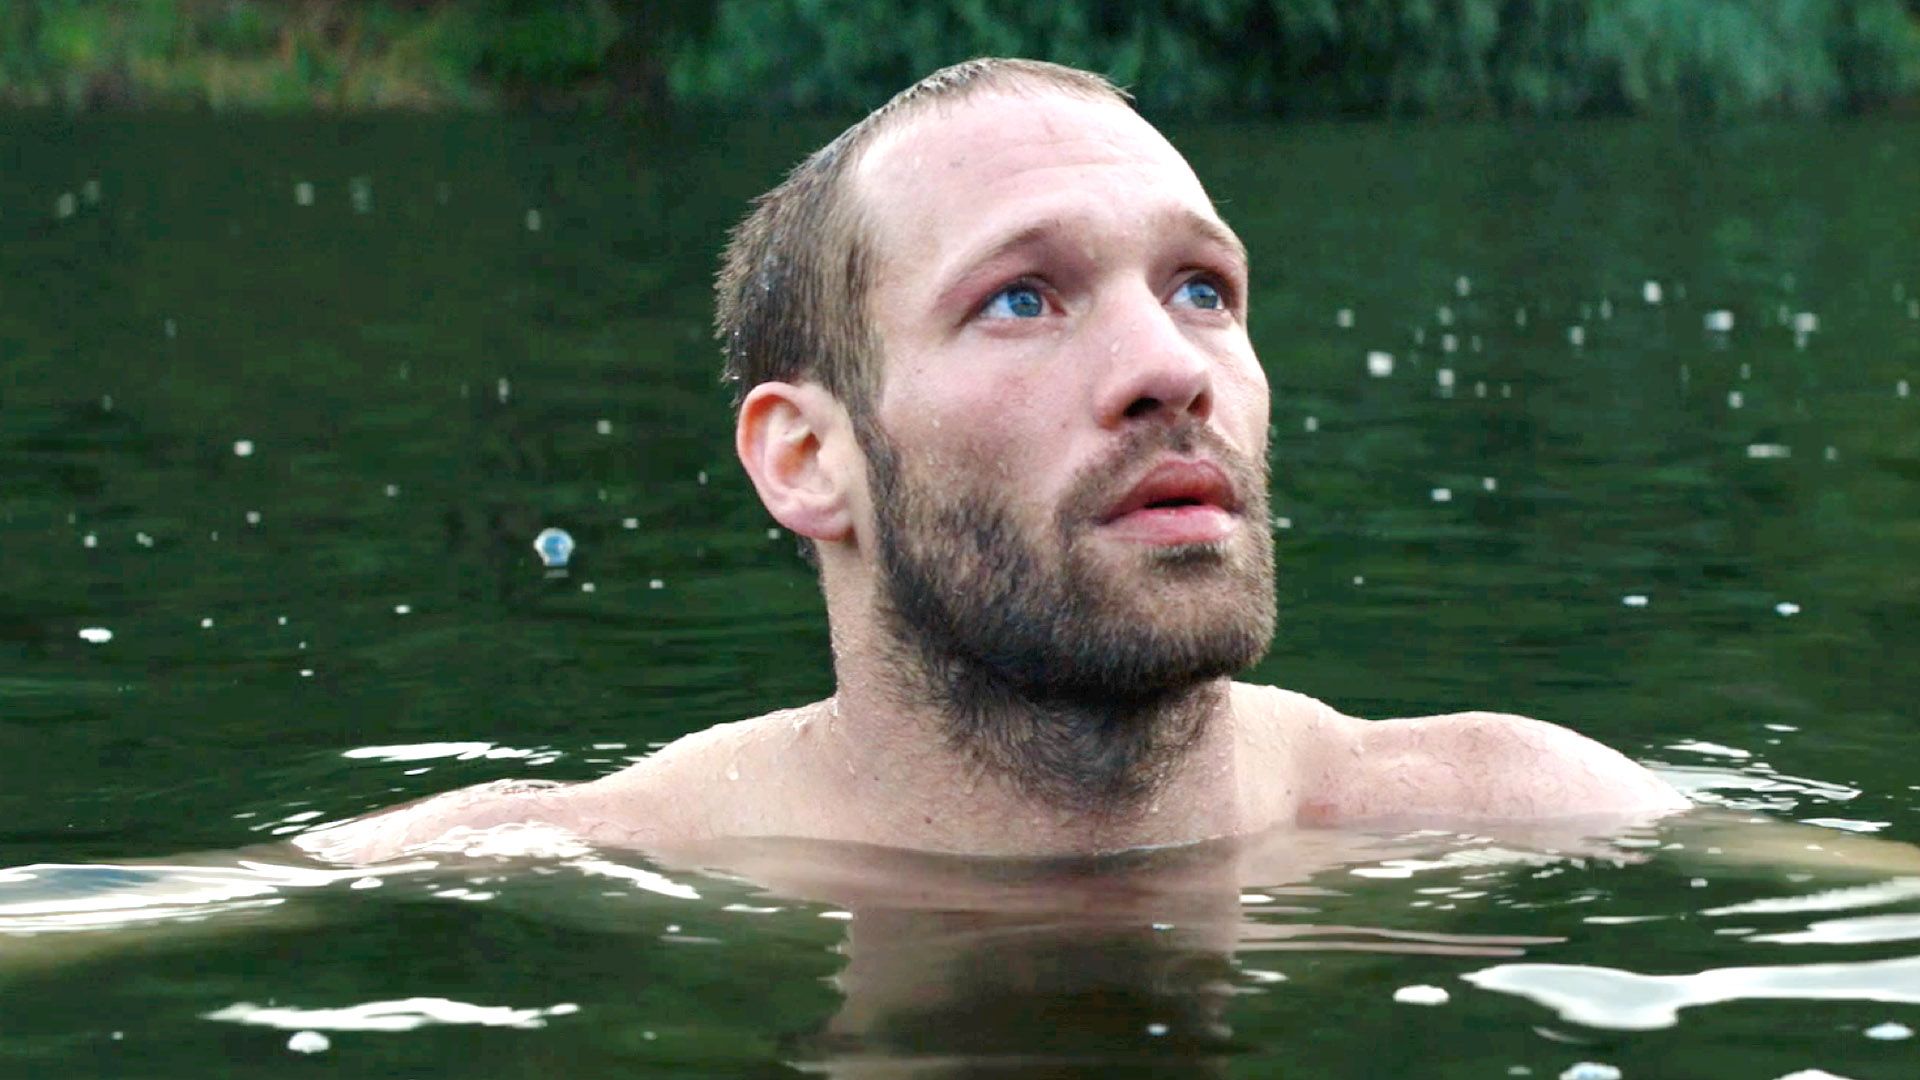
x=291 y=453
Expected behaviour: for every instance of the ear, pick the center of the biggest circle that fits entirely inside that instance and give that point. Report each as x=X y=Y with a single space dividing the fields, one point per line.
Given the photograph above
x=794 y=441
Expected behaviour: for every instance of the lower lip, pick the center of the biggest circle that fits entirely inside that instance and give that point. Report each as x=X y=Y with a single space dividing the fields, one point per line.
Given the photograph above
x=1170 y=525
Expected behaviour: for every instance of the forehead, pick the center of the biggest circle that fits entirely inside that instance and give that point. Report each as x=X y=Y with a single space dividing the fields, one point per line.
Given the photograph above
x=1004 y=160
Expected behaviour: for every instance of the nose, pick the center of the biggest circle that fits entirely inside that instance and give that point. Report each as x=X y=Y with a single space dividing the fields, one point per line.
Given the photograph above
x=1153 y=370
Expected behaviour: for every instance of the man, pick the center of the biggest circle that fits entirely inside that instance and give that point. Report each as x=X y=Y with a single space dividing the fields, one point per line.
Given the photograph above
x=994 y=368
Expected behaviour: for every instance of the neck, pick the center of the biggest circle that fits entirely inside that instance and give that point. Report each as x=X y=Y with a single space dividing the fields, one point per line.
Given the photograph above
x=946 y=756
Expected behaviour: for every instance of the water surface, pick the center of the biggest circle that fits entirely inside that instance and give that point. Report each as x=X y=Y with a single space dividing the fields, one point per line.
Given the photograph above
x=1609 y=424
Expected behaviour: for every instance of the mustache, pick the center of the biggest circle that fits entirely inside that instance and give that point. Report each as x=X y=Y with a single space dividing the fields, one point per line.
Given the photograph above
x=1107 y=478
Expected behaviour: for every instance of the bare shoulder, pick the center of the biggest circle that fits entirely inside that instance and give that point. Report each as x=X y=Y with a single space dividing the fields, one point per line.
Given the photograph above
x=674 y=795
x=1488 y=765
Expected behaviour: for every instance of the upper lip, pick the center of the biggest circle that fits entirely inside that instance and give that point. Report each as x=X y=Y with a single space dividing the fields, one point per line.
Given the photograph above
x=1177 y=481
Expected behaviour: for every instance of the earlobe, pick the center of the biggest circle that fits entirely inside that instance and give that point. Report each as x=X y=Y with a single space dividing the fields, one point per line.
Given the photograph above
x=788 y=437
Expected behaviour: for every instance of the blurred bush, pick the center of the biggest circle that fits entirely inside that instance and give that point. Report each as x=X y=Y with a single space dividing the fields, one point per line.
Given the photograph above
x=1320 y=57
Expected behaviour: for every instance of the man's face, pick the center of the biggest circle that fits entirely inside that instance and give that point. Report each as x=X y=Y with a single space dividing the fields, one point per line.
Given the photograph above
x=1068 y=479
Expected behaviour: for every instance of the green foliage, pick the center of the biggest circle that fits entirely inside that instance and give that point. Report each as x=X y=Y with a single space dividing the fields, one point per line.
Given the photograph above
x=1319 y=56
x=1323 y=57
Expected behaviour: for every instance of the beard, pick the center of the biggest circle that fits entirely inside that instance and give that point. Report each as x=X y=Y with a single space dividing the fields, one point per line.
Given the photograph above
x=1080 y=674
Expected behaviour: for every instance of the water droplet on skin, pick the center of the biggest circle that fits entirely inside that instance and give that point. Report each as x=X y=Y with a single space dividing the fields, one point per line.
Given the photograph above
x=733 y=770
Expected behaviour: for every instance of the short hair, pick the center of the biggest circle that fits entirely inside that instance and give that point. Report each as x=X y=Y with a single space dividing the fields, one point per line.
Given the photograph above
x=791 y=295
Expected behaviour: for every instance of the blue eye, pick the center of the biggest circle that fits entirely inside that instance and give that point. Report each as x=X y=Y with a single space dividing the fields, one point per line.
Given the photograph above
x=1015 y=302
x=1201 y=293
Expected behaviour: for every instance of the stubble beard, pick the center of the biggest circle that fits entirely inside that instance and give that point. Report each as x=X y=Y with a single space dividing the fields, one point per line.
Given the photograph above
x=1079 y=678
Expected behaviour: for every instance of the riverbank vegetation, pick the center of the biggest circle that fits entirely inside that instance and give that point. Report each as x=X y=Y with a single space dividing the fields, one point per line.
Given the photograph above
x=1285 y=57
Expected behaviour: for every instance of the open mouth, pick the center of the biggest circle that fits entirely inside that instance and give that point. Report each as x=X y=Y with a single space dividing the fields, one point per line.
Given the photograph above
x=1174 y=487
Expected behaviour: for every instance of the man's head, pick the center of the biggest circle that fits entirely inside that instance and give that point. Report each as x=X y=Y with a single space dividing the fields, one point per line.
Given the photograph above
x=1037 y=463
x=791 y=298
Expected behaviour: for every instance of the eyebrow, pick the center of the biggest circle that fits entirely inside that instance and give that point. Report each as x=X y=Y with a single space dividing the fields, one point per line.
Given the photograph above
x=1209 y=230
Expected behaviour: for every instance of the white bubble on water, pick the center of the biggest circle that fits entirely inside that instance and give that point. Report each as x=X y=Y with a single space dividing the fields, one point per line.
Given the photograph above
x=303 y=193
x=1441 y=494
x=206 y=623
x=143 y=539
x=1461 y=286
x=656 y=583
x=1421 y=994
x=1343 y=318
x=95 y=635
x=1488 y=483
x=1591 y=1070
x=1902 y=389
x=630 y=523
x=503 y=389
x=1576 y=336
x=1769 y=450
x=1889 y=1031
x=253 y=517
x=90 y=191
x=1806 y=322
x=1650 y=292
x=308 y=1042
x=533 y=220
x=1444 y=376
x=554 y=546
x=1634 y=600
x=1719 y=322
x=243 y=448
x=604 y=427
x=90 y=540
x=1380 y=364
x=403 y=609
x=1311 y=424
x=1735 y=399
x=65 y=206
x=1786 y=608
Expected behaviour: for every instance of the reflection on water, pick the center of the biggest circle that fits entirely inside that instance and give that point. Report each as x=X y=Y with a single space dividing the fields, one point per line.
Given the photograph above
x=1134 y=964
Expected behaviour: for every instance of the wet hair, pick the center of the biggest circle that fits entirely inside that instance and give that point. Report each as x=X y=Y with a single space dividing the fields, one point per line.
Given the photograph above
x=790 y=299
